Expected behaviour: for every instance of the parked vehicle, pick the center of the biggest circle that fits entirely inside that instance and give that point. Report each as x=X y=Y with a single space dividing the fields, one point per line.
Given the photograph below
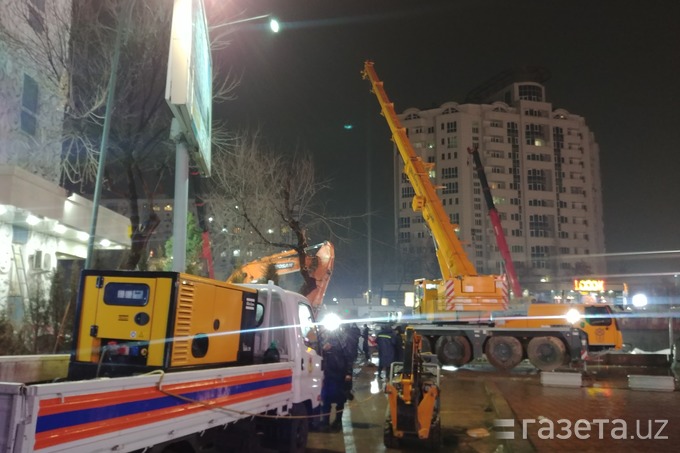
x=167 y=362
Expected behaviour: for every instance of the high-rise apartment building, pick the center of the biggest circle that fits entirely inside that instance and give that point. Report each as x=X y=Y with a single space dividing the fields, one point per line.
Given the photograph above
x=542 y=164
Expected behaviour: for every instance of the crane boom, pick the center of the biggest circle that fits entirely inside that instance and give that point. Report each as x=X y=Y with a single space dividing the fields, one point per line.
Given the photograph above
x=452 y=258
x=461 y=293
x=496 y=222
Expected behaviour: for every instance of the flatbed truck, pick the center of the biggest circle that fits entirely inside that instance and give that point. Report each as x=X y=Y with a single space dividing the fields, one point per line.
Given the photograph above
x=197 y=379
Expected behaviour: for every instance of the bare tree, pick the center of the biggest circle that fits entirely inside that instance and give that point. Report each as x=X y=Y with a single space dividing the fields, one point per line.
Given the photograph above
x=262 y=201
x=140 y=152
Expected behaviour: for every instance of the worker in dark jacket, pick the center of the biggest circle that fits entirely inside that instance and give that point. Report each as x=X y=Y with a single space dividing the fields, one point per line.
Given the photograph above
x=365 y=333
x=337 y=373
x=387 y=346
x=352 y=335
x=399 y=348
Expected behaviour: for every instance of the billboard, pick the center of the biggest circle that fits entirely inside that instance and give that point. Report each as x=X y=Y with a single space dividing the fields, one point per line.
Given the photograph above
x=188 y=88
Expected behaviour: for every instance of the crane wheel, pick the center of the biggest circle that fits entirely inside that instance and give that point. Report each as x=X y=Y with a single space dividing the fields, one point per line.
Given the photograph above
x=425 y=345
x=504 y=353
x=453 y=350
x=546 y=353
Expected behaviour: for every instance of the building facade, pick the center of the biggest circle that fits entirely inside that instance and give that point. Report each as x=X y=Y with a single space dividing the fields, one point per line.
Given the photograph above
x=42 y=225
x=542 y=164
x=33 y=52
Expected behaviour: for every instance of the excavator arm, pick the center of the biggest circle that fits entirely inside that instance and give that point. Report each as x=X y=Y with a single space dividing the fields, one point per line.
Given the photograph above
x=496 y=222
x=319 y=261
x=413 y=396
x=284 y=263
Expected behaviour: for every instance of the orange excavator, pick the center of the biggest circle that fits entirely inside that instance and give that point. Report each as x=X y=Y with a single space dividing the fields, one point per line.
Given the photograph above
x=318 y=263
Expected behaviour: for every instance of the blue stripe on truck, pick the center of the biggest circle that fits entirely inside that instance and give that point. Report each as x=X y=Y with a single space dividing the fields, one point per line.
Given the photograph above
x=98 y=414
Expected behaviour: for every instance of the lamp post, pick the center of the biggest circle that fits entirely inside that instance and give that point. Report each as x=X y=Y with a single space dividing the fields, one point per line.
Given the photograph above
x=120 y=29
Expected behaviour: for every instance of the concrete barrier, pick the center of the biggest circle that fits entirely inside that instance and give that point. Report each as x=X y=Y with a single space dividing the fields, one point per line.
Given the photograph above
x=654 y=383
x=561 y=379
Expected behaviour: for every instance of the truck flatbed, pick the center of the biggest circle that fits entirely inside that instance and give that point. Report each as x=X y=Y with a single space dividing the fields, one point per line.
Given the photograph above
x=131 y=413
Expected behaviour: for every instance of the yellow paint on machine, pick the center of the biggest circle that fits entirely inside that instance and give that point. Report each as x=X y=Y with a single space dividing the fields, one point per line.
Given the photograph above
x=182 y=307
x=202 y=305
x=596 y=321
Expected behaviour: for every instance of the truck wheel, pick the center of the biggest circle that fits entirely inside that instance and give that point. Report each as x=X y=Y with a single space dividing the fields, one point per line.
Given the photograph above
x=294 y=432
x=504 y=353
x=240 y=437
x=388 y=439
x=453 y=350
x=178 y=448
x=546 y=353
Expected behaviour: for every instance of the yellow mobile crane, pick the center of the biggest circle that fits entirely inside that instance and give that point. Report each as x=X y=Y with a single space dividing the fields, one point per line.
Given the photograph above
x=461 y=291
x=464 y=315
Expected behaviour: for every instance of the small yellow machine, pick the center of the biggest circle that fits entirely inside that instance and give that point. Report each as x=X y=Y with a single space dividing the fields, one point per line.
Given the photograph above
x=413 y=397
x=134 y=322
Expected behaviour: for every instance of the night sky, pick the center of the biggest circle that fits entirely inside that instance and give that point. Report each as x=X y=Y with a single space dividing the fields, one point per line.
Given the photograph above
x=614 y=62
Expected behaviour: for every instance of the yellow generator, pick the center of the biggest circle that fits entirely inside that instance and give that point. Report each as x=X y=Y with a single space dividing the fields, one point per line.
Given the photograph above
x=134 y=322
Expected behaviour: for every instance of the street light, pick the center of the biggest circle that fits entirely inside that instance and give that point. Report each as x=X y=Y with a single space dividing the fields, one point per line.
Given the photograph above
x=639 y=300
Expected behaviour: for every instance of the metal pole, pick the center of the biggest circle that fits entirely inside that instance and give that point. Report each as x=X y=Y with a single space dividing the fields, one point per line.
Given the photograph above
x=368 y=208
x=179 y=218
x=122 y=25
x=670 y=334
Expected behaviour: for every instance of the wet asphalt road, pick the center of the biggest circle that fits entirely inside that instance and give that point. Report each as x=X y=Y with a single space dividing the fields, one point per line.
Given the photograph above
x=474 y=397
